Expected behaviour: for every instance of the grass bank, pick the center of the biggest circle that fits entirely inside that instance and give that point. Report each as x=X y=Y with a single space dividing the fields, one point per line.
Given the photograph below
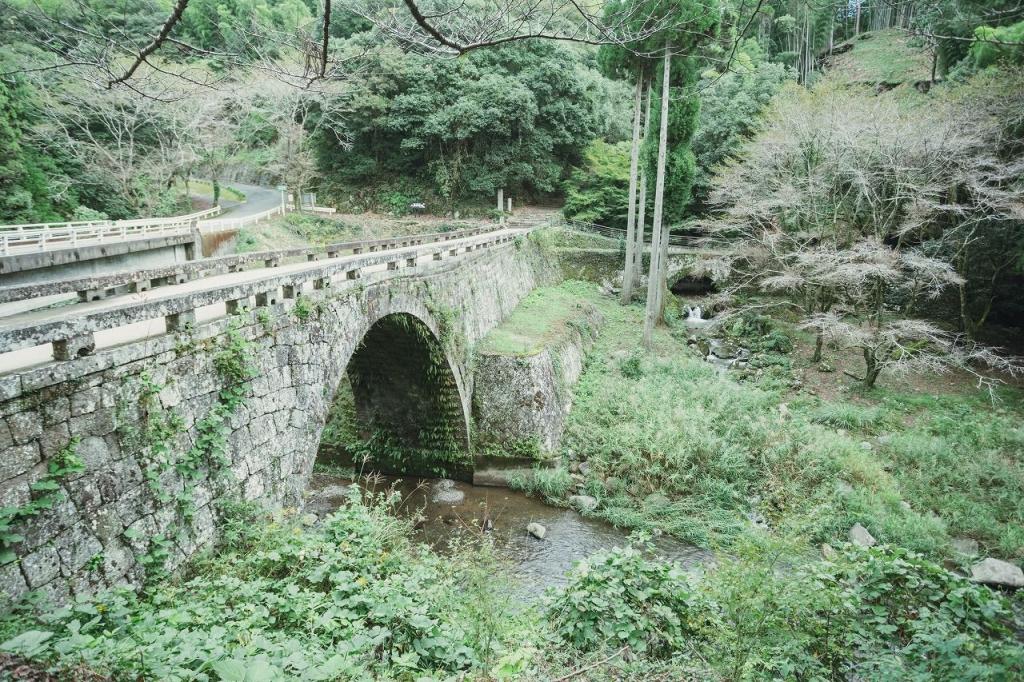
x=673 y=445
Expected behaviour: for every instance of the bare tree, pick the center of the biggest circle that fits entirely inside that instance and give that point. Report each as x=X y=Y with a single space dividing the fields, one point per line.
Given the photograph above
x=857 y=214
x=439 y=28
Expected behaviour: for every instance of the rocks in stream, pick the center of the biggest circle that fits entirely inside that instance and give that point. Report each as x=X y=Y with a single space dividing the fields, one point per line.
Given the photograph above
x=536 y=530
x=860 y=536
x=995 y=572
x=445 y=491
x=724 y=355
x=583 y=503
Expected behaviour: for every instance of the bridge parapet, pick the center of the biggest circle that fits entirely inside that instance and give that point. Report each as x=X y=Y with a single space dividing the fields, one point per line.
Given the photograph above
x=35 y=237
x=72 y=329
x=96 y=287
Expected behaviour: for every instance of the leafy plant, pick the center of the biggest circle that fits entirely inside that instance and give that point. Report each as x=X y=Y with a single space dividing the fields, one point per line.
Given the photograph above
x=623 y=597
x=44 y=493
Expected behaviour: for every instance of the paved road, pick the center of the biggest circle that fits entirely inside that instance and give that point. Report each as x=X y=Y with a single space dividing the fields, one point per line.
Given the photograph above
x=257 y=200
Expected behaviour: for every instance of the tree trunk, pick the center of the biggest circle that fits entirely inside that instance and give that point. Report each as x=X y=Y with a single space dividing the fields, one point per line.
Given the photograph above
x=628 y=274
x=819 y=341
x=641 y=218
x=871 y=369
x=651 y=317
x=856 y=30
x=663 y=271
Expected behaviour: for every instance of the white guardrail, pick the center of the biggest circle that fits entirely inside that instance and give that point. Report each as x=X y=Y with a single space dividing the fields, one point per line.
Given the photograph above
x=237 y=223
x=34 y=237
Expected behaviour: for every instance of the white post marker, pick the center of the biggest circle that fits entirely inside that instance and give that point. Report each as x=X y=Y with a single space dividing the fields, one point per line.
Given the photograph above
x=284 y=197
x=501 y=206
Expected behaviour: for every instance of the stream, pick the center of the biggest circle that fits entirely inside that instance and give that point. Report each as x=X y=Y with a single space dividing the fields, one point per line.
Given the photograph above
x=445 y=508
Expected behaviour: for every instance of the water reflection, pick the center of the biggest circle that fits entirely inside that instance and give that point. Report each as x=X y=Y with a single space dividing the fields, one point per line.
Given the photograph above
x=444 y=508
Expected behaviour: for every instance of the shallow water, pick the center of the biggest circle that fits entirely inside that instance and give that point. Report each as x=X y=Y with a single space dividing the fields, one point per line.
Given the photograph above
x=444 y=508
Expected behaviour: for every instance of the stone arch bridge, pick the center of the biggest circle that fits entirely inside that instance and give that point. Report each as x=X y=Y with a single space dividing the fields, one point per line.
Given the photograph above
x=138 y=379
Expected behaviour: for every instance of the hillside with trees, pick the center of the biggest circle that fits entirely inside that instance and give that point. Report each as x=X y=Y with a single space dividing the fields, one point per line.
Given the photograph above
x=786 y=237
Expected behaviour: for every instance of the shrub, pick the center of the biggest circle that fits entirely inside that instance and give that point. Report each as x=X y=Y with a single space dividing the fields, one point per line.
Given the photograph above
x=631 y=368
x=623 y=597
x=551 y=484
x=848 y=416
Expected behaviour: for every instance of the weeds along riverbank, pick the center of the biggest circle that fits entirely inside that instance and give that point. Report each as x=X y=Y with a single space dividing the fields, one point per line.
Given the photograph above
x=751 y=464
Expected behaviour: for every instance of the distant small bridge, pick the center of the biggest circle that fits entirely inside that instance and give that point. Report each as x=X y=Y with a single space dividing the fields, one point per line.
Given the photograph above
x=678 y=243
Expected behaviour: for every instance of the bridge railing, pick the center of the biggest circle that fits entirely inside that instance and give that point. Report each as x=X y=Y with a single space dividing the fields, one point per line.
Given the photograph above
x=239 y=223
x=31 y=237
x=95 y=287
x=73 y=333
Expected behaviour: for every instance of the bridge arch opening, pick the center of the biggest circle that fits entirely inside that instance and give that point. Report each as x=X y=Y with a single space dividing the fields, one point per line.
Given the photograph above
x=398 y=408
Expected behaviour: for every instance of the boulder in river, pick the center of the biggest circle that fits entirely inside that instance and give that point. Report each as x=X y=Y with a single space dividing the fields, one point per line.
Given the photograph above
x=995 y=572
x=446 y=491
x=860 y=536
x=583 y=503
x=536 y=530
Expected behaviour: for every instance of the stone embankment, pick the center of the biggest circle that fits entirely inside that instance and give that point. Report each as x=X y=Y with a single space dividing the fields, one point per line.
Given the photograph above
x=522 y=400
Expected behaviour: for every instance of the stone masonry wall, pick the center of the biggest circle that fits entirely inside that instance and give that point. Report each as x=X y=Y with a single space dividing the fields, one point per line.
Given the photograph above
x=524 y=400
x=106 y=518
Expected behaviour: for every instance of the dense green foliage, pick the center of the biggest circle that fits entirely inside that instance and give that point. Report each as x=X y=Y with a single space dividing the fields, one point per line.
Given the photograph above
x=880 y=614
x=731 y=106
x=1004 y=44
x=25 y=172
x=512 y=118
x=597 y=191
x=349 y=599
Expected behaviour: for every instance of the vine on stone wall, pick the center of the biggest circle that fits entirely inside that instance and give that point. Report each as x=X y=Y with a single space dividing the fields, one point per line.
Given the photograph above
x=162 y=428
x=44 y=493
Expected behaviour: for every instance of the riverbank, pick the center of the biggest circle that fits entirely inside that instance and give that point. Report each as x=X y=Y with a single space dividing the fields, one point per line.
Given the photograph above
x=762 y=466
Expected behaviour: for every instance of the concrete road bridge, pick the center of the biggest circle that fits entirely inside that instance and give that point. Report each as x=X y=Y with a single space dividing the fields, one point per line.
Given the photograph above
x=139 y=377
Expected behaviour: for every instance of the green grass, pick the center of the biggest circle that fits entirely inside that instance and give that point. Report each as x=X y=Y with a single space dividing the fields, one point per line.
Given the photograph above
x=543 y=317
x=883 y=57
x=205 y=188
x=675 y=446
x=273 y=234
x=848 y=416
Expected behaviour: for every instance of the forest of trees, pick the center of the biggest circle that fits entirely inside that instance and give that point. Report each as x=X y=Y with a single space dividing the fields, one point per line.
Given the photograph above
x=110 y=109
x=265 y=91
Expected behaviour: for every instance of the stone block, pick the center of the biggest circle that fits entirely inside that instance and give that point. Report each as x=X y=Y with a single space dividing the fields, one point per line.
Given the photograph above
x=102 y=422
x=117 y=561
x=180 y=321
x=12 y=584
x=41 y=566
x=54 y=439
x=10 y=386
x=25 y=426
x=75 y=347
x=106 y=525
x=85 y=493
x=85 y=402
x=49 y=524
x=56 y=410
x=17 y=460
